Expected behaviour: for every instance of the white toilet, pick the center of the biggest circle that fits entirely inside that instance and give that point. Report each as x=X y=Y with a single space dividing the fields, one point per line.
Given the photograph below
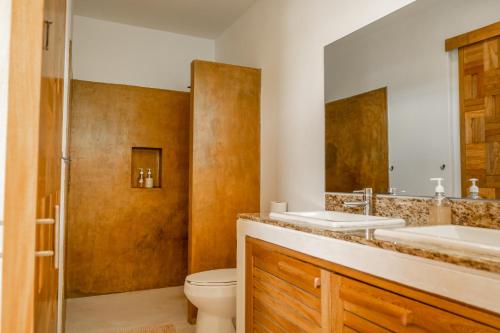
x=214 y=294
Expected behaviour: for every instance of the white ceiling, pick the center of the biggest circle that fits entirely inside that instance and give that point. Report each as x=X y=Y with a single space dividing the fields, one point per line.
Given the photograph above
x=202 y=18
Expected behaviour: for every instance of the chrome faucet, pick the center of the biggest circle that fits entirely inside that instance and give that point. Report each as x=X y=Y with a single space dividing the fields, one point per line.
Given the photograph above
x=366 y=203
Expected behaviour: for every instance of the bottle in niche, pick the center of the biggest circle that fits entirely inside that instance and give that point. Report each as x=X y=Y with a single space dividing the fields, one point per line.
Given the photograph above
x=140 y=179
x=440 y=212
x=149 y=179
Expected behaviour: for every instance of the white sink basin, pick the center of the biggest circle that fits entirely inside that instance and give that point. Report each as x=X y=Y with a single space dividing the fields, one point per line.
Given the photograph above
x=338 y=221
x=477 y=240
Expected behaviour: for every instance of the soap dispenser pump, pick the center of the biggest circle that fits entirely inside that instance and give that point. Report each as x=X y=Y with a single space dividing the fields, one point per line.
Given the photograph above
x=440 y=212
x=474 y=190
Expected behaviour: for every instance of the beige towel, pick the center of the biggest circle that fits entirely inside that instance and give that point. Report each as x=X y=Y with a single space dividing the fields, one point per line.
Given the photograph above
x=156 y=329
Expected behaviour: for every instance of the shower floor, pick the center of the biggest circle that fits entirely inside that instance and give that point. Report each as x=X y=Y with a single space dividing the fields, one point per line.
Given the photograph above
x=105 y=314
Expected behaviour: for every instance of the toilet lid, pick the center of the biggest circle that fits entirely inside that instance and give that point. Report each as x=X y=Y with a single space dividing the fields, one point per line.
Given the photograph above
x=217 y=277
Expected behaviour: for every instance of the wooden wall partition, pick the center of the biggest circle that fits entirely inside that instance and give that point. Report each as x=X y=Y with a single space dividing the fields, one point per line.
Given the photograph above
x=357 y=153
x=224 y=160
x=122 y=238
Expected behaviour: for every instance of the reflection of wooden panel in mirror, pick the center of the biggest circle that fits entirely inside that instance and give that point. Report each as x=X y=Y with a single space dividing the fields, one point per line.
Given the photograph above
x=480 y=115
x=146 y=158
x=356 y=143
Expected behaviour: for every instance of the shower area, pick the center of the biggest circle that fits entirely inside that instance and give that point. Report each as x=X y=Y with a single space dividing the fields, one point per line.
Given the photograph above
x=122 y=237
x=155 y=183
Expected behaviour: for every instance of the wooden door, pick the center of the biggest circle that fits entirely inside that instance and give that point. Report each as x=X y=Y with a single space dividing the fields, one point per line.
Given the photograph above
x=224 y=160
x=357 y=143
x=49 y=164
x=479 y=75
x=33 y=166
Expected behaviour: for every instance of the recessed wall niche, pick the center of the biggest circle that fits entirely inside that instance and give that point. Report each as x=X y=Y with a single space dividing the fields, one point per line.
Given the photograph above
x=146 y=158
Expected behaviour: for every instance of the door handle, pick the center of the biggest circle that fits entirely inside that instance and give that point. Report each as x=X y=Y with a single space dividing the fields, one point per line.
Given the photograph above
x=317 y=282
x=51 y=253
x=45 y=221
x=57 y=220
x=44 y=253
x=47 y=25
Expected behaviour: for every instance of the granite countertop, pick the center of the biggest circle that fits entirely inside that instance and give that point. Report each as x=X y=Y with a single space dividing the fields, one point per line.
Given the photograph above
x=480 y=262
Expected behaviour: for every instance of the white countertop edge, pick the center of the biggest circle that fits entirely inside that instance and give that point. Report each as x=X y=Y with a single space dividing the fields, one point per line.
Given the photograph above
x=471 y=286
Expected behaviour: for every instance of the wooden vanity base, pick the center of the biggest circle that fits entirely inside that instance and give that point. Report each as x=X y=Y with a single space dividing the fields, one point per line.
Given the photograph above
x=287 y=291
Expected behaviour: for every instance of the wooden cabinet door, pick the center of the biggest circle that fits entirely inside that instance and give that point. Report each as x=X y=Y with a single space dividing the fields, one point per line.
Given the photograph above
x=33 y=166
x=479 y=70
x=285 y=294
x=49 y=164
x=359 y=307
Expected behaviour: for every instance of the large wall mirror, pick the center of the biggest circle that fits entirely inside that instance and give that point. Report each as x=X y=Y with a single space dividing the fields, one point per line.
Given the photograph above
x=416 y=95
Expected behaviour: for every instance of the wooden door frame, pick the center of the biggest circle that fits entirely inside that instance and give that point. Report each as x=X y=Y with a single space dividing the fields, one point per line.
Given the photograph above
x=22 y=166
x=61 y=296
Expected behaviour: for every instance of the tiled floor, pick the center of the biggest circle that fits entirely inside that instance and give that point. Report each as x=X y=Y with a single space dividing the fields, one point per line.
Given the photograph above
x=100 y=314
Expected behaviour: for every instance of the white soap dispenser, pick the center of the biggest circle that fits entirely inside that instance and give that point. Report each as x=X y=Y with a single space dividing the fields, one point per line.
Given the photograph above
x=474 y=190
x=149 y=179
x=440 y=212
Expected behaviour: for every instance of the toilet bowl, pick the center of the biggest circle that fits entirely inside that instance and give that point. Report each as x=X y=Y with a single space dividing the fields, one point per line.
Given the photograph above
x=214 y=294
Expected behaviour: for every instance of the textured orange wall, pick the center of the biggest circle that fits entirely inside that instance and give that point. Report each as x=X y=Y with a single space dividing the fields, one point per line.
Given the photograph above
x=122 y=238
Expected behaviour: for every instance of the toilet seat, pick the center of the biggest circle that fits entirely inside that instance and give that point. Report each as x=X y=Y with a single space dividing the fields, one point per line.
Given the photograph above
x=215 y=278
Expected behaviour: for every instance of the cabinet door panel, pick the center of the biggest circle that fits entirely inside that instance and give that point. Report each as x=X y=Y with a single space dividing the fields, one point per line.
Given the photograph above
x=288 y=295
x=354 y=323
x=392 y=311
x=266 y=323
x=296 y=272
x=285 y=294
x=288 y=318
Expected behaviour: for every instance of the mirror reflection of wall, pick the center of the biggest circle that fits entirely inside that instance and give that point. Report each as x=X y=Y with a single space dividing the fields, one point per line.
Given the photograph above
x=359 y=160
x=405 y=54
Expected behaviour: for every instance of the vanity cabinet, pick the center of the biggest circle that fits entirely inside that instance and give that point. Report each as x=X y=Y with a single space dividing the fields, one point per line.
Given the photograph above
x=287 y=291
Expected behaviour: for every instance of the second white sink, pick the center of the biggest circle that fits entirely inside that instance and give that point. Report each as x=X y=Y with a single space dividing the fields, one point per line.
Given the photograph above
x=338 y=221
x=455 y=237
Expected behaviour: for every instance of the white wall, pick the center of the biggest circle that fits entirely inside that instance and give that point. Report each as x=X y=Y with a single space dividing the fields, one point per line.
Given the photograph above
x=117 y=53
x=405 y=52
x=5 y=14
x=286 y=39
